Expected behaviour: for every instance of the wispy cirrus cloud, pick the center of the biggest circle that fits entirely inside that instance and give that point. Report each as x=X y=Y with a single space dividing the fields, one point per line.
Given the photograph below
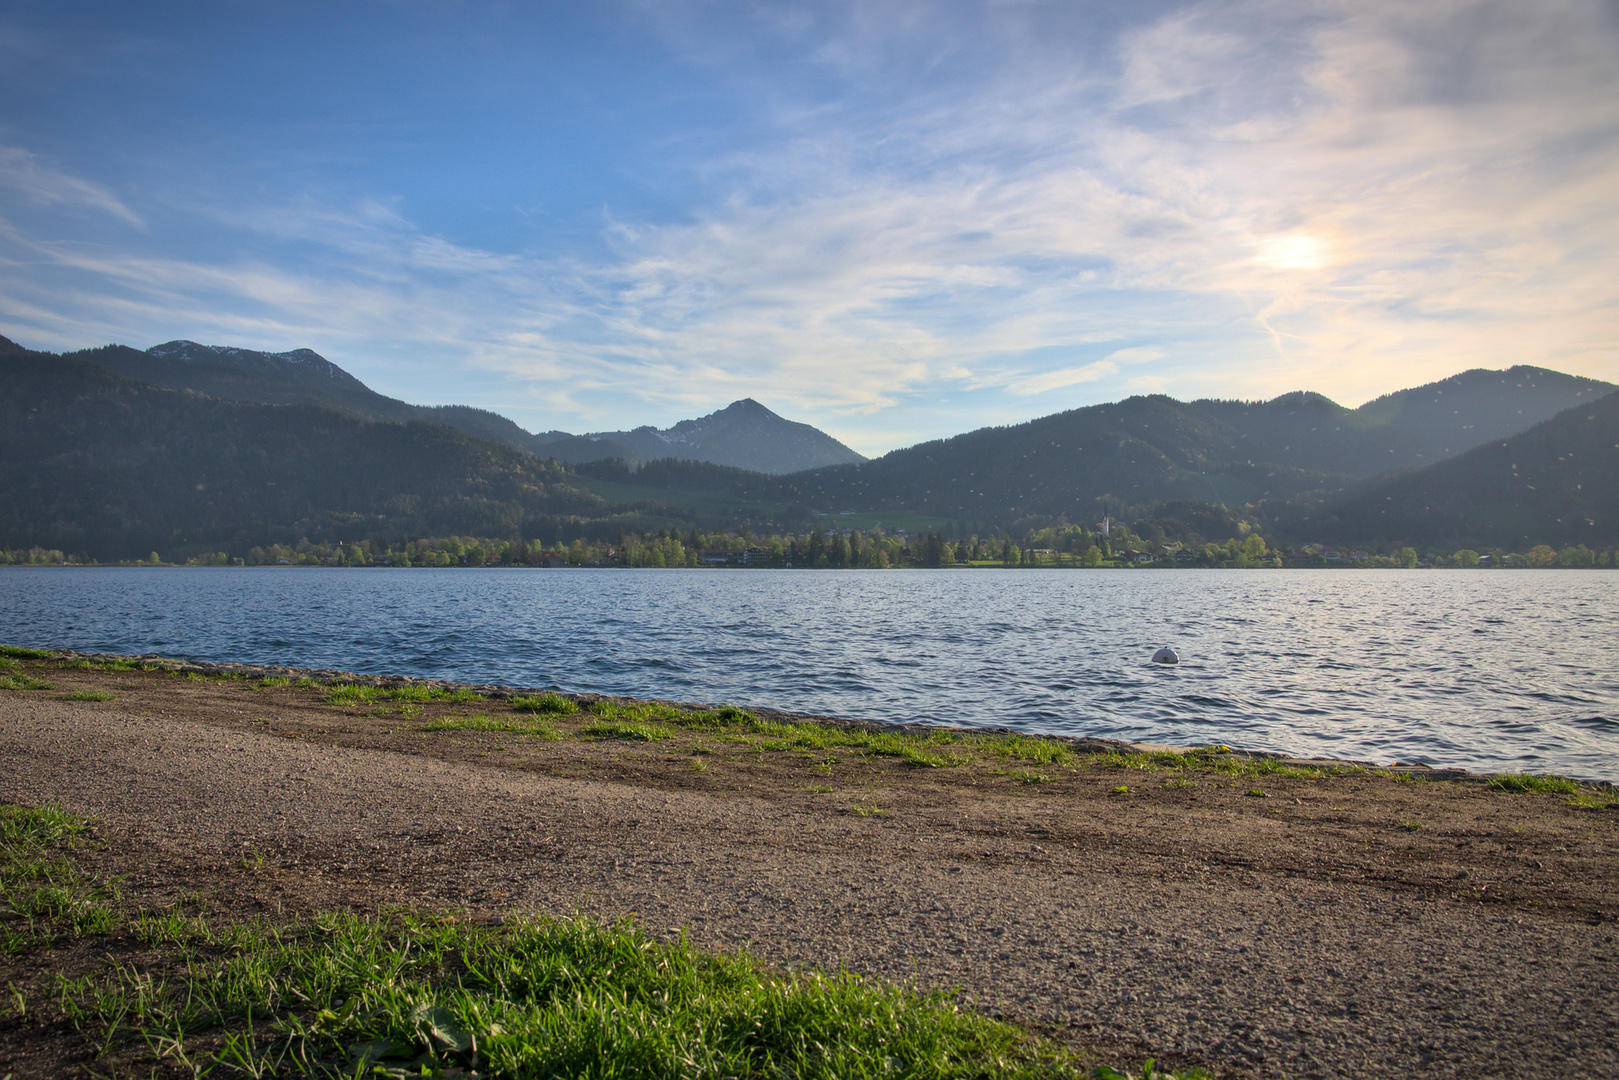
x=42 y=185
x=986 y=207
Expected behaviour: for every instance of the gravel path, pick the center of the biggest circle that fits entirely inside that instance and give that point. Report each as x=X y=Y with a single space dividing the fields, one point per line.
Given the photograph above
x=1050 y=915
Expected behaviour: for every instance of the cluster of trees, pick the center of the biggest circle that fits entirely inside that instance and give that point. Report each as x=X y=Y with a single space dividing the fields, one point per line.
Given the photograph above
x=1052 y=546
x=426 y=551
x=34 y=556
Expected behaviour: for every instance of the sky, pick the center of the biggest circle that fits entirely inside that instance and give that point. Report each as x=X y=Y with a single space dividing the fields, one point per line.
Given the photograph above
x=896 y=221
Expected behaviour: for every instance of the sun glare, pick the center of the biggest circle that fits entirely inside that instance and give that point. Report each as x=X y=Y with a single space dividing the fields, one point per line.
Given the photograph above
x=1299 y=251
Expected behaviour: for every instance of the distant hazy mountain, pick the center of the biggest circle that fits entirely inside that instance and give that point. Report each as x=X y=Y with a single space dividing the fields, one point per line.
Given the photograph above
x=1556 y=483
x=743 y=435
x=1410 y=427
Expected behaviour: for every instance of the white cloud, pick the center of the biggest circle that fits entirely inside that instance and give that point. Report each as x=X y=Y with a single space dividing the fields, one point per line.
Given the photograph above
x=1055 y=380
x=1250 y=197
x=41 y=184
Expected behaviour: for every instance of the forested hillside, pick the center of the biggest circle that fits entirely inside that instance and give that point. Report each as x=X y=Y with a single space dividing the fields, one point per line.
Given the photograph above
x=1118 y=458
x=299 y=377
x=1557 y=483
x=110 y=466
x=1413 y=427
x=101 y=464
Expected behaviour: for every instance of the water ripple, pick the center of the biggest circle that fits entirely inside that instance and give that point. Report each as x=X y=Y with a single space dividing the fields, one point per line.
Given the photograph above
x=1488 y=670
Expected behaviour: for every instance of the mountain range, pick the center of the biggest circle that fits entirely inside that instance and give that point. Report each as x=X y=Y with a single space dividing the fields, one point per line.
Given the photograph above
x=117 y=451
x=744 y=435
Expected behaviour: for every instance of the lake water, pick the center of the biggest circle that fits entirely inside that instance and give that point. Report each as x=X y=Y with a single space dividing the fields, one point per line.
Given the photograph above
x=1486 y=670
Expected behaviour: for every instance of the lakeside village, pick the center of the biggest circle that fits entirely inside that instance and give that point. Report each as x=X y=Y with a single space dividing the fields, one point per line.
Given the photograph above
x=1110 y=545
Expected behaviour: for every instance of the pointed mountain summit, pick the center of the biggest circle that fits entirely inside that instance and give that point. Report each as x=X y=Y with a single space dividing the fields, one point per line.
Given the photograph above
x=744 y=435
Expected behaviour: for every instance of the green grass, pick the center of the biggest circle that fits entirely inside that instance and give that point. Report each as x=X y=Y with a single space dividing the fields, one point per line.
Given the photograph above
x=18 y=681
x=100 y=665
x=89 y=695
x=212 y=676
x=923 y=750
x=17 y=652
x=346 y=993
x=533 y=728
x=1519 y=782
x=1028 y=748
x=1218 y=759
x=357 y=694
x=1597 y=801
x=548 y=704
x=270 y=682
x=342 y=995
x=620 y=729
x=43 y=895
x=28 y=828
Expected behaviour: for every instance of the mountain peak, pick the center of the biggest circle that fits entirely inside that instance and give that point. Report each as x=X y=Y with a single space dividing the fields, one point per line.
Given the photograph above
x=744 y=435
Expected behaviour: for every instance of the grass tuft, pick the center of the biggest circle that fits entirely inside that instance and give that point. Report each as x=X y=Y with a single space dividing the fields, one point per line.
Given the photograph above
x=1519 y=782
x=18 y=681
x=348 y=995
x=533 y=728
x=89 y=695
x=550 y=704
x=96 y=665
x=42 y=894
x=17 y=652
x=359 y=694
x=620 y=729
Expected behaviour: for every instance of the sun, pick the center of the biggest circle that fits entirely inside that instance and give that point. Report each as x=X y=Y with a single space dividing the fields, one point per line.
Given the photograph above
x=1297 y=251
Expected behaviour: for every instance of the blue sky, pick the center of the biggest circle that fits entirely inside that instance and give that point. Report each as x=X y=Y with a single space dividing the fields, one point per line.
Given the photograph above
x=894 y=220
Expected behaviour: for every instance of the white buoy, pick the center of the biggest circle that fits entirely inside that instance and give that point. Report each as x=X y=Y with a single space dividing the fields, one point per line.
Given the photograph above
x=1166 y=655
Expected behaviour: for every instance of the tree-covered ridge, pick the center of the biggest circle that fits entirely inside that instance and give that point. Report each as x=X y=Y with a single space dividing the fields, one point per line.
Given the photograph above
x=109 y=468
x=104 y=465
x=1415 y=427
x=1555 y=484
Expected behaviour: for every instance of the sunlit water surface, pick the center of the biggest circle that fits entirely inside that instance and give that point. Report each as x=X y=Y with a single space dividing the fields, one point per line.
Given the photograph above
x=1480 y=669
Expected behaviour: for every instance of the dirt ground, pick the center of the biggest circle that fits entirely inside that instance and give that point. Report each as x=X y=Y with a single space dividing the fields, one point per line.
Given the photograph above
x=1350 y=925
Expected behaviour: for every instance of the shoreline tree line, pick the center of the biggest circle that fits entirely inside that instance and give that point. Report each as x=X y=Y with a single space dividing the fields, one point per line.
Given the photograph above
x=1065 y=547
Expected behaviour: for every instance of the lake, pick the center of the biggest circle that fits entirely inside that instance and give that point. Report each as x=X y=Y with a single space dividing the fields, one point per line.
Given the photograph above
x=1488 y=670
